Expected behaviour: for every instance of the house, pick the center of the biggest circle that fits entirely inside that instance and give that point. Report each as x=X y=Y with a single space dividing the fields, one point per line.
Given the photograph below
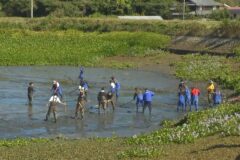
x=203 y=7
x=200 y=7
x=233 y=11
x=141 y=17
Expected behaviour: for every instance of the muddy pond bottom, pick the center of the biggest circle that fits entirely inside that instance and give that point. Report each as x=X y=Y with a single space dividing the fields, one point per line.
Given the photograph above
x=18 y=119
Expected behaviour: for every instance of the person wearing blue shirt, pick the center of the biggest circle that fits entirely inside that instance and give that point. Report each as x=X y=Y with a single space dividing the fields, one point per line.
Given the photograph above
x=117 y=86
x=81 y=74
x=147 y=100
x=217 y=97
x=56 y=88
x=138 y=96
x=187 y=97
x=112 y=87
x=181 y=101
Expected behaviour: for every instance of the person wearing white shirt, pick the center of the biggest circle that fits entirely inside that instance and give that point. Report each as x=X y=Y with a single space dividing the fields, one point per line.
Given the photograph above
x=53 y=101
x=112 y=86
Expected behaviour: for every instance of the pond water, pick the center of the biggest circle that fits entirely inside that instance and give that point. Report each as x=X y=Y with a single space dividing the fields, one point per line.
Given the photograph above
x=18 y=119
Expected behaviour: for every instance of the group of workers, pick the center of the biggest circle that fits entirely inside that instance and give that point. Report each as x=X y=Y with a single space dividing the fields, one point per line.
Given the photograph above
x=187 y=97
x=143 y=100
x=103 y=97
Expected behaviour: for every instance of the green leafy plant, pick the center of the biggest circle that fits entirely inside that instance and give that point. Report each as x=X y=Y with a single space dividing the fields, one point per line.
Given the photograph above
x=19 y=47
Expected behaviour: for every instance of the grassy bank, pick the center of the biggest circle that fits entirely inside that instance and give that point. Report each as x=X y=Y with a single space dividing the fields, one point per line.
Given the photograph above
x=225 y=28
x=220 y=125
x=19 y=47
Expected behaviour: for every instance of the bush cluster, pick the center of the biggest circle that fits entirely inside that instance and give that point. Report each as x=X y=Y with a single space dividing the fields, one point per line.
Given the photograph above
x=224 y=120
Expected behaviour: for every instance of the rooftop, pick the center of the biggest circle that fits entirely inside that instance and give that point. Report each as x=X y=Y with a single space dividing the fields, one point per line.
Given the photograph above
x=141 y=17
x=233 y=8
x=205 y=3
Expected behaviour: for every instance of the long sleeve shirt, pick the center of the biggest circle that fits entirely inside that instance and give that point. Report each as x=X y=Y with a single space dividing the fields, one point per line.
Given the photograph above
x=147 y=96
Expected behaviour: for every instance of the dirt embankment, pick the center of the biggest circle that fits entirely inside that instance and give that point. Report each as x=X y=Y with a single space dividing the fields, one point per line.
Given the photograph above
x=208 y=45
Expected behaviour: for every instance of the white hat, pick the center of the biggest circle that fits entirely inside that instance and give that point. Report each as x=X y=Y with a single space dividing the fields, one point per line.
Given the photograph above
x=81 y=88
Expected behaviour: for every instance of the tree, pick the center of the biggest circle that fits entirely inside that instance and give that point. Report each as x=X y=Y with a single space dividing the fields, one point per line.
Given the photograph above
x=75 y=8
x=153 y=7
x=17 y=8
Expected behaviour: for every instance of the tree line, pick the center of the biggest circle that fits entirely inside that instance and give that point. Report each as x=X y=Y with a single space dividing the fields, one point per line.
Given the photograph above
x=80 y=8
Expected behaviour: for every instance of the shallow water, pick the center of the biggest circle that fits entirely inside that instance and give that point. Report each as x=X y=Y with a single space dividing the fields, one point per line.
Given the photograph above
x=18 y=119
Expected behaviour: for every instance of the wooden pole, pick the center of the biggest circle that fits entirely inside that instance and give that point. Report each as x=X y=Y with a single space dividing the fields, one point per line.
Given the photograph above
x=184 y=6
x=31 y=8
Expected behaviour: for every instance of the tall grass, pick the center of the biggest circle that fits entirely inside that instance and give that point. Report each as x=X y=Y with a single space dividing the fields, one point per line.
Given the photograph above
x=19 y=47
x=174 y=27
x=225 y=28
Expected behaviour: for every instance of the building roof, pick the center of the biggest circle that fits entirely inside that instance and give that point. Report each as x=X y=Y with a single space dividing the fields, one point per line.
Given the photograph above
x=205 y=3
x=233 y=8
x=141 y=17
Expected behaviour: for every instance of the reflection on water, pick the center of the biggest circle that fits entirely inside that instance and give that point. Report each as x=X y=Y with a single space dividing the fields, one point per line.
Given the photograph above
x=18 y=118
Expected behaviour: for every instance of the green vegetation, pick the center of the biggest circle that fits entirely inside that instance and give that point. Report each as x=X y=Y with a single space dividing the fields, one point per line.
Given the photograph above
x=79 y=8
x=219 y=69
x=230 y=28
x=223 y=122
x=111 y=24
x=73 y=47
x=220 y=15
x=21 y=141
x=226 y=28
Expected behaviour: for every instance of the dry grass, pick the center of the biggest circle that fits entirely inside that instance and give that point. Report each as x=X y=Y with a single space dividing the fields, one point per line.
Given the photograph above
x=210 y=148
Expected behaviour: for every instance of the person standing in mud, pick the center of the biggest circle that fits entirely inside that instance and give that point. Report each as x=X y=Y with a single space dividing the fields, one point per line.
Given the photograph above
x=80 y=106
x=147 y=100
x=30 y=91
x=112 y=87
x=187 y=97
x=195 y=93
x=138 y=95
x=217 y=97
x=102 y=100
x=117 y=86
x=210 y=92
x=110 y=99
x=181 y=99
x=52 y=105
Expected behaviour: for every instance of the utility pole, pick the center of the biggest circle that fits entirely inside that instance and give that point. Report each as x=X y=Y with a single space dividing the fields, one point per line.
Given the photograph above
x=184 y=7
x=31 y=8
